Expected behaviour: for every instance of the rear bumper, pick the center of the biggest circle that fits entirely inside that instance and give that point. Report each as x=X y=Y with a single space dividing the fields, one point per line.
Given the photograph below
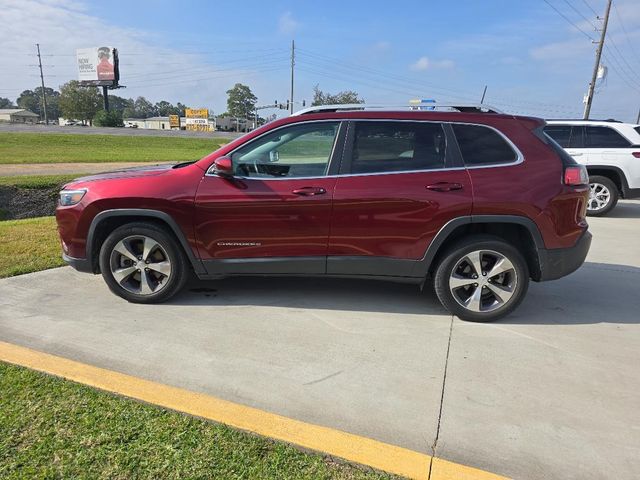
x=80 y=264
x=559 y=262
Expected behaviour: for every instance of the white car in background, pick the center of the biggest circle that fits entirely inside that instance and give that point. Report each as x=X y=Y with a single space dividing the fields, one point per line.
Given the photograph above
x=611 y=152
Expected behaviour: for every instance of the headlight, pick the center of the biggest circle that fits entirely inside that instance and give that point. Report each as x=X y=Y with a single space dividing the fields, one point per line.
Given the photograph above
x=71 y=197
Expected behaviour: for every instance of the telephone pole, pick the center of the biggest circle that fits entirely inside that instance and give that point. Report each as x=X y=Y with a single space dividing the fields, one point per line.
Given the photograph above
x=293 y=63
x=44 y=95
x=592 y=85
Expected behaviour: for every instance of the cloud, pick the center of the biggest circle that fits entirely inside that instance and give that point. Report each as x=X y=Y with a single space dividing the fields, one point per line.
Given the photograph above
x=287 y=25
x=147 y=68
x=423 y=63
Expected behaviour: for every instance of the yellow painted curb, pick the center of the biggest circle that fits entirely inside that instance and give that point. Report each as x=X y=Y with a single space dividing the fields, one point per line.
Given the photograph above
x=354 y=448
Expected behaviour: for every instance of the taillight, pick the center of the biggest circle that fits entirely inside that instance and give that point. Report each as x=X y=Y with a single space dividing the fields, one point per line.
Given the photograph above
x=636 y=154
x=576 y=175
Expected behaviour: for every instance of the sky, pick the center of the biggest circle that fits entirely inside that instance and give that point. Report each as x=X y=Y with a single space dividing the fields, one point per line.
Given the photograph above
x=535 y=56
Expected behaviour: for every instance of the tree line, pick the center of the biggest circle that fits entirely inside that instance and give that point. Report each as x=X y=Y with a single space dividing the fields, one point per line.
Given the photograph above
x=74 y=101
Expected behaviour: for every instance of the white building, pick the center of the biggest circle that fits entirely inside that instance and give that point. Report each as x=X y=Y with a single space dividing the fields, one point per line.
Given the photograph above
x=18 y=115
x=161 y=123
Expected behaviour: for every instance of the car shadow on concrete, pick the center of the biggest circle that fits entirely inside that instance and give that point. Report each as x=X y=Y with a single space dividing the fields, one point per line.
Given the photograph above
x=596 y=293
x=625 y=210
x=313 y=293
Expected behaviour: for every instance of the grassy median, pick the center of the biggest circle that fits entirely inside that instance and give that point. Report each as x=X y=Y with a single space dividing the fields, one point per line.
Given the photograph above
x=53 y=428
x=28 y=246
x=37 y=182
x=62 y=148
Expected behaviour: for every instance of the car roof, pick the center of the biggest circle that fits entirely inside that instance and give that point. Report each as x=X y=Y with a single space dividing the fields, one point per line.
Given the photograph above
x=608 y=123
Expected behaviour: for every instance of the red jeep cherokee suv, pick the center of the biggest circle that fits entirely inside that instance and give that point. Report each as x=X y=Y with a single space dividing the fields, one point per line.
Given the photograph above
x=477 y=203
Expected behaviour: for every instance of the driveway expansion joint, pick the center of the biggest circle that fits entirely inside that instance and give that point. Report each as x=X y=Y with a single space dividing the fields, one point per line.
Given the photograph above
x=444 y=381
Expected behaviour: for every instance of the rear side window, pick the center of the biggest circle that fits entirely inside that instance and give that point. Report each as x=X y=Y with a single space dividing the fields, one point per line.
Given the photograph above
x=483 y=146
x=397 y=147
x=605 y=137
x=565 y=135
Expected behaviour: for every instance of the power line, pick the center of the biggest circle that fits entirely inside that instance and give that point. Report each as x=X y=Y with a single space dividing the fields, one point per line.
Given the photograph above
x=624 y=29
x=581 y=15
x=569 y=21
x=590 y=7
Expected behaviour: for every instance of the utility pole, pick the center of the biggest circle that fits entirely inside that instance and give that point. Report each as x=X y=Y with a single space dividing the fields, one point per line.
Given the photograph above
x=44 y=95
x=483 y=95
x=596 y=67
x=293 y=63
x=638 y=119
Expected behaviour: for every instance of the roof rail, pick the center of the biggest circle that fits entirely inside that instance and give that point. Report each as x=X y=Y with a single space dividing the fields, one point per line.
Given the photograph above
x=610 y=120
x=466 y=108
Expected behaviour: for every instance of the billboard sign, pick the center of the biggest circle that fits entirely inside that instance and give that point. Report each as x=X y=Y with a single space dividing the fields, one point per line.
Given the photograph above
x=98 y=66
x=174 y=121
x=197 y=119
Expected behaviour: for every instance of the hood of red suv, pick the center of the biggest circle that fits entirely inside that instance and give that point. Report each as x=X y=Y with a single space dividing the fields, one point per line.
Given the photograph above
x=144 y=171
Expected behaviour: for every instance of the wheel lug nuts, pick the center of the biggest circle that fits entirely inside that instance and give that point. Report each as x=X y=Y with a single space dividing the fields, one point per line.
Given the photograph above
x=475 y=284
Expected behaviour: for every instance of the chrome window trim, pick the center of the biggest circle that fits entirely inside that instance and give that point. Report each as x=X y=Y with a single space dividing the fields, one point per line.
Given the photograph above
x=519 y=155
x=340 y=122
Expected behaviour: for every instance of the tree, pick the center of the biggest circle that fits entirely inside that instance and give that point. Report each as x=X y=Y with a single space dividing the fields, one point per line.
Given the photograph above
x=164 y=109
x=340 y=98
x=112 y=118
x=241 y=102
x=144 y=108
x=118 y=104
x=32 y=100
x=6 y=103
x=77 y=102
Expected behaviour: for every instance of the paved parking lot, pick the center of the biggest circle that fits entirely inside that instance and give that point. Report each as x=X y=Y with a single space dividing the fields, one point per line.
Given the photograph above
x=550 y=392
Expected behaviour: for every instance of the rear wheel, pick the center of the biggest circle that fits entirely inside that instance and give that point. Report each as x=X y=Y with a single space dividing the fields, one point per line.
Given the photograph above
x=481 y=278
x=142 y=263
x=603 y=196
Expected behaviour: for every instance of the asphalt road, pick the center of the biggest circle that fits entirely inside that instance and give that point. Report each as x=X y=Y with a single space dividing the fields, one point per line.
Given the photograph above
x=549 y=393
x=18 y=128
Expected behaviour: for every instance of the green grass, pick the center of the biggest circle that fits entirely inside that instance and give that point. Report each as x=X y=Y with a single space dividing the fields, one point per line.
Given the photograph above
x=28 y=246
x=39 y=182
x=53 y=428
x=60 y=148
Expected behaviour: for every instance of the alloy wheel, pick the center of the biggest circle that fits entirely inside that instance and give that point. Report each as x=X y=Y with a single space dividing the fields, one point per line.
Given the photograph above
x=599 y=197
x=483 y=281
x=140 y=265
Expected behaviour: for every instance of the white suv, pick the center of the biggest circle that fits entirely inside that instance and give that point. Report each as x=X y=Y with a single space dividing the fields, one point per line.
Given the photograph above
x=611 y=152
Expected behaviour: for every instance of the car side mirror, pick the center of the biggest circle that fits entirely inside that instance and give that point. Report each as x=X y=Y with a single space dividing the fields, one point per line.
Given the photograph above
x=223 y=167
x=274 y=156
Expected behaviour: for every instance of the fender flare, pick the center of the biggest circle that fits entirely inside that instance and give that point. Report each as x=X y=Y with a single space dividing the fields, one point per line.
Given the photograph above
x=422 y=267
x=144 y=213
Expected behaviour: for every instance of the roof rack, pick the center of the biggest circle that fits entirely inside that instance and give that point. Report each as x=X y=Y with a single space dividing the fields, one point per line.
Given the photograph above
x=466 y=108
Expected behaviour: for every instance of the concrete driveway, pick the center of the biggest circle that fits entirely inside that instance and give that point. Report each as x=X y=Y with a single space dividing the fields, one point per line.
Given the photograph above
x=550 y=392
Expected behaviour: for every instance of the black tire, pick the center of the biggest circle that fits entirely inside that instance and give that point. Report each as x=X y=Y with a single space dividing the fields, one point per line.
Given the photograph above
x=518 y=281
x=613 y=197
x=168 y=250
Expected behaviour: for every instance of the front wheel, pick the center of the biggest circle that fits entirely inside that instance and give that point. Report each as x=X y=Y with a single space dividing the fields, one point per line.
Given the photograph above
x=143 y=263
x=603 y=196
x=481 y=278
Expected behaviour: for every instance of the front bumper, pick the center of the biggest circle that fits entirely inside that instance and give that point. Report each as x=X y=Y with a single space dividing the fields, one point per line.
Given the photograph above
x=558 y=262
x=80 y=264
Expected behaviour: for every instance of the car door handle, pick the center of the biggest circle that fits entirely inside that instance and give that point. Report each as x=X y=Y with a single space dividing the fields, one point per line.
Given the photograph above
x=309 y=191
x=444 y=186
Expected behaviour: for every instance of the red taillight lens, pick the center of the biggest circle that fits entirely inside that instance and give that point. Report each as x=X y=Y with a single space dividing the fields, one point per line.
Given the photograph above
x=636 y=154
x=576 y=175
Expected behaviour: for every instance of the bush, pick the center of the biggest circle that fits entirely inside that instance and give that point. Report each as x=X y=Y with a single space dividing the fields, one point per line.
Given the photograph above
x=108 y=119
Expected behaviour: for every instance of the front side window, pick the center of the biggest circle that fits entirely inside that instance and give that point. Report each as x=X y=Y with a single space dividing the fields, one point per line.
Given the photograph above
x=605 y=137
x=300 y=150
x=397 y=147
x=483 y=146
